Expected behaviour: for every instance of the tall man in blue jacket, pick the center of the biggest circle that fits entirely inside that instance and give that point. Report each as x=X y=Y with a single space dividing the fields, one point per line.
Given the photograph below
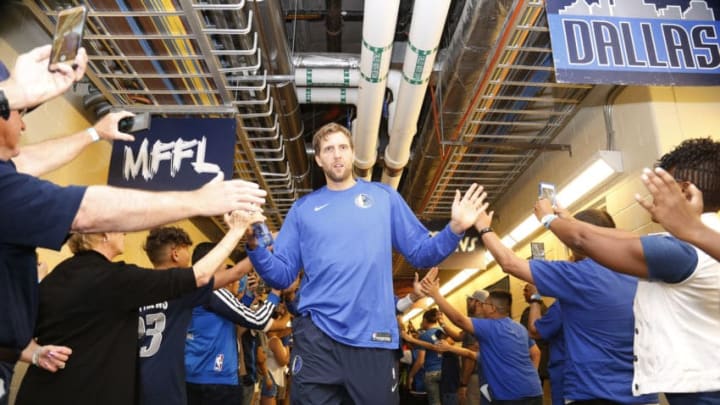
x=343 y=235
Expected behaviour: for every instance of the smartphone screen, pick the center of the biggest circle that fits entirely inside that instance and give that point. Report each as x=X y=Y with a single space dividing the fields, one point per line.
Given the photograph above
x=68 y=36
x=547 y=190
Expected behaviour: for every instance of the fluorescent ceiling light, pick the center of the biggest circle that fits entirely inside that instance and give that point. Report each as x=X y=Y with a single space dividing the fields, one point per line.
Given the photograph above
x=525 y=229
x=602 y=166
x=410 y=315
x=459 y=278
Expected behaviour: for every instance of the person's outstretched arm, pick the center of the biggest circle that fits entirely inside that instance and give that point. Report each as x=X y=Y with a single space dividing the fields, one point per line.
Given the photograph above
x=618 y=250
x=505 y=257
x=105 y=208
x=431 y=287
x=204 y=269
x=47 y=156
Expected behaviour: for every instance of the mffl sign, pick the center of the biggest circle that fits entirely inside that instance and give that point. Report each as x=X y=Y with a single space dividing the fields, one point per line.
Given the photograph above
x=175 y=154
x=661 y=42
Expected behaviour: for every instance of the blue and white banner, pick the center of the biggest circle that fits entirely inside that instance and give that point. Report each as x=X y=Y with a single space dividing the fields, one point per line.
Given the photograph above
x=175 y=154
x=647 y=42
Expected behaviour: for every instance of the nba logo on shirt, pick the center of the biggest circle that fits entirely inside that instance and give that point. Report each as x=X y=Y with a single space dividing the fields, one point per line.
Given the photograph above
x=219 y=362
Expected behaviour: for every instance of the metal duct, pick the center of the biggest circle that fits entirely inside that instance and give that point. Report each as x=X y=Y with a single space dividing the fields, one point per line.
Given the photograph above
x=333 y=25
x=326 y=60
x=425 y=31
x=272 y=33
x=476 y=32
x=378 y=35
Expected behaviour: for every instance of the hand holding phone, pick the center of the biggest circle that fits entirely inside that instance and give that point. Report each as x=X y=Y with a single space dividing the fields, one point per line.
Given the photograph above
x=547 y=190
x=136 y=123
x=68 y=37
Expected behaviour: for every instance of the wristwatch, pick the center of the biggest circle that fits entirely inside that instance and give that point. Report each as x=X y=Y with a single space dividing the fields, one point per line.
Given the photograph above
x=4 y=106
x=536 y=298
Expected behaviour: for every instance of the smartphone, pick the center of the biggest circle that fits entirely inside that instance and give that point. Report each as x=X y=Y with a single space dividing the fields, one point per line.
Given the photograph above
x=68 y=37
x=136 y=123
x=547 y=190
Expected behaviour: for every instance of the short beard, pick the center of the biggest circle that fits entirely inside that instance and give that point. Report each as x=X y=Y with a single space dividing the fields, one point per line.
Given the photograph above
x=346 y=174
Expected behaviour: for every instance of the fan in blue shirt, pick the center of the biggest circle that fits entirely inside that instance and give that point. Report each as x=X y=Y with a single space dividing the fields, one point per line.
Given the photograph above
x=343 y=236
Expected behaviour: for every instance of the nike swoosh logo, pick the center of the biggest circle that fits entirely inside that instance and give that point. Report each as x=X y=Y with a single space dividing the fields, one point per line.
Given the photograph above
x=319 y=207
x=394 y=387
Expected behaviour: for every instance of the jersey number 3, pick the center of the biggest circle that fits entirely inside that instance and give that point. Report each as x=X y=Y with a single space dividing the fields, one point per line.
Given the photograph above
x=152 y=326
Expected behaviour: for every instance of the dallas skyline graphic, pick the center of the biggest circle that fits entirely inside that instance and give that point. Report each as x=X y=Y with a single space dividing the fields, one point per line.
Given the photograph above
x=698 y=10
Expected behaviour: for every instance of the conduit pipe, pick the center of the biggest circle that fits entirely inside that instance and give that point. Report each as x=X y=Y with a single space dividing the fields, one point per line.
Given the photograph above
x=378 y=34
x=325 y=60
x=326 y=95
x=327 y=77
x=425 y=33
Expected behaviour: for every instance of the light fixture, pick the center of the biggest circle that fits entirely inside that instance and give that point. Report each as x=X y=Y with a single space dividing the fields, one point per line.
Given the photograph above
x=604 y=164
x=410 y=315
x=456 y=281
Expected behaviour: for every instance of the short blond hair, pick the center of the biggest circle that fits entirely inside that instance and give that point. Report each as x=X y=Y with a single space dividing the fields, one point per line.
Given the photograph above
x=327 y=129
x=83 y=242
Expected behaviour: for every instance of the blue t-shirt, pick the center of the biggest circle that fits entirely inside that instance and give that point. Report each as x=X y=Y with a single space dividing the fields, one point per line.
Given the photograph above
x=35 y=213
x=161 y=344
x=504 y=345
x=549 y=326
x=433 y=359
x=211 y=355
x=598 y=324
x=344 y=240
x=669 y=259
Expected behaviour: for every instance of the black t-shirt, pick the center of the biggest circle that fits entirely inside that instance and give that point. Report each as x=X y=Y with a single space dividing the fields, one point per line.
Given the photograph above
x=90 y=304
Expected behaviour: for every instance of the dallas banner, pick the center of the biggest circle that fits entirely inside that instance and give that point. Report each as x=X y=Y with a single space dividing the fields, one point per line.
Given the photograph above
x=175 y=154
x=661 y=42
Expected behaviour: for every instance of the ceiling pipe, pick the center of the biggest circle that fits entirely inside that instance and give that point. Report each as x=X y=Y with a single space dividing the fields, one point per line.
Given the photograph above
x=326 y=60
x=271 y=28
x=327 y=77
x=333 y=25
x=425 y=32
x=326 y=95
x=378 y=35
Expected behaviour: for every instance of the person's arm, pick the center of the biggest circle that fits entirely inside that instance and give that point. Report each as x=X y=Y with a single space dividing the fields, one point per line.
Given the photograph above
x=47 y=156
x=225 y=304
x=535 y=355
x=534 y=314
x=679 y=211
x=443 y=346
x=223 y=276
x=31 y=83
x=618 y=250
x=419 y=363
x=505 y=257
x=413 y=240
x=418 y=342
x=467 y=367
x=281 y=353
x=431 y=287
x=49 y=357
x=105 y=208
x=205 y=268
x=406 y=302
x=280 y=268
